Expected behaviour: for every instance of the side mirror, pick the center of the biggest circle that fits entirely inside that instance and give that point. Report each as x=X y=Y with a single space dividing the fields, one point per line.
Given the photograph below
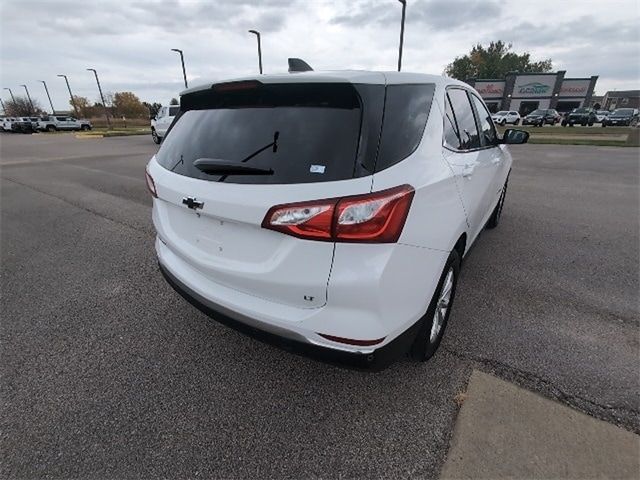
x=514 y=137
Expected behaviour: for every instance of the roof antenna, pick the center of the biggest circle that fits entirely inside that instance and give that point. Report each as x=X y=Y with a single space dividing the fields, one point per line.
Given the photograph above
x=404 y=9
x=297 y=65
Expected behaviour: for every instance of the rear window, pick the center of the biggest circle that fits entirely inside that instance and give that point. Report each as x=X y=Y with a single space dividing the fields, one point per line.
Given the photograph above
x=317 y=125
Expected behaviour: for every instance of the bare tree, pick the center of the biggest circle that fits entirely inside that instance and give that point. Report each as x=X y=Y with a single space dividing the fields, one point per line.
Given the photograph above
x=21 y=107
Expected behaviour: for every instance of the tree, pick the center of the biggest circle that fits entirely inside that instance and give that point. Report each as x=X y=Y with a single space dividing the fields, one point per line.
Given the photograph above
x=85 y=110
x=153 y=108
x=174 y=101
x=128 y=105
x=21 y=107
x=494 y=61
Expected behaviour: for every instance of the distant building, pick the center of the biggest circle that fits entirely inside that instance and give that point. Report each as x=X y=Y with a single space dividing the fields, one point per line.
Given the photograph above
x=525 y=92
x=621 y=99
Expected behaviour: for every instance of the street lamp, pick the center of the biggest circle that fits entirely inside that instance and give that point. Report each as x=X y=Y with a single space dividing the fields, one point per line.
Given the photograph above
x=404 y=9
x=53 y=110
x=73 y=102
x=29 y=97
x=257 y=34
x=13 y=99
x=104 y=105
x=184 y=72
x=4 y=109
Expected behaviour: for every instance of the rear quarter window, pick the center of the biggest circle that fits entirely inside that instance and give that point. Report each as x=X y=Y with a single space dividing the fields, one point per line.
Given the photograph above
x=405 y=117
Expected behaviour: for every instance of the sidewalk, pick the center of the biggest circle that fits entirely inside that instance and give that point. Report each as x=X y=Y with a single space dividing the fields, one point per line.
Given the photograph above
x=504 y=431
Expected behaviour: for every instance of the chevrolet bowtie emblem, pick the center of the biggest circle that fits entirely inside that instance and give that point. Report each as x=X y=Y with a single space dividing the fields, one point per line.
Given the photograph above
x=192 y=203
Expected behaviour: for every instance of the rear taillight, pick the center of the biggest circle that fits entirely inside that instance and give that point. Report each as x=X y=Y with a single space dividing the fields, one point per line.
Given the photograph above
x=374 y=217
x=150 y=184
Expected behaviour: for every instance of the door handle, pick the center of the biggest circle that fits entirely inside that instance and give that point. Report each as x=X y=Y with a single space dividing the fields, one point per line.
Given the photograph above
x=467 y=170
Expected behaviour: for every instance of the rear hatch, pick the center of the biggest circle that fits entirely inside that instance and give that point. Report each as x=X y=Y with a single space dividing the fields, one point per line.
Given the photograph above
x=300 y=141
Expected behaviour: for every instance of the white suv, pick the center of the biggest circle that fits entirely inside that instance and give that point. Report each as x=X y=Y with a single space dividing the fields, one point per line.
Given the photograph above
x=504 y=117
x=53 y=123
x=328 y=211
x=162 y=121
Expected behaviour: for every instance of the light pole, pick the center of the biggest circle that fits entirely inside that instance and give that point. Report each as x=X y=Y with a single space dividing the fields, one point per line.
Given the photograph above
x=184 y=72
x=4 y=109
x=13 y=99
x=106 y=114
x=73 y=102
x=404 y=9
x=257 y=34
x=29 y=97
x=53 y=110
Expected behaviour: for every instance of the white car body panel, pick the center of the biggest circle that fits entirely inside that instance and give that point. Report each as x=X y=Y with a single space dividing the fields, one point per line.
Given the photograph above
x=163 y=120
x=298 y=288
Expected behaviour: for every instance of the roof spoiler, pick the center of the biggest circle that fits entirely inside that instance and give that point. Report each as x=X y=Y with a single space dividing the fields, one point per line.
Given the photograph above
x=297 y=65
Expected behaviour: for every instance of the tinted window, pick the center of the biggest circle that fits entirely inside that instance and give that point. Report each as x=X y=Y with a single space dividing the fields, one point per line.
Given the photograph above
x=61 y=119
x=488 y=132
x=173 y=111
x=317 y=127
x=451 y=138
x=465 y=121
x=405 y=116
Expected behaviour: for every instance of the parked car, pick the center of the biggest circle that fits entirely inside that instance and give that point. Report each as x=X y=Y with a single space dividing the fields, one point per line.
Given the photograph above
x=286 y=206
x=53 y=123
x=504 y=117
x=22 y=125
x=622 y=117
x=162 y=121
x=6 y=123
x=601 y=115
x=582 y=116
x=539 y=117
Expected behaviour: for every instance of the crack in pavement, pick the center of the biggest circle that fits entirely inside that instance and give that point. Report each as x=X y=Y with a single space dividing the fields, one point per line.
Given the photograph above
x=81 y=207
x=619 y=415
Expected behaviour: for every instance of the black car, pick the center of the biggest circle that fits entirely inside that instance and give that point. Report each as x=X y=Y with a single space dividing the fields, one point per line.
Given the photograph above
x=627 y=117
x=539 y=117
x=22 y=125
x=581 y=116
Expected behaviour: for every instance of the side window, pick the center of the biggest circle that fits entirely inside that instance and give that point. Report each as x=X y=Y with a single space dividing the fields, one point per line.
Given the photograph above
x=173 y=111
x=465 y=120
x=405 y=115
x=60 y=119
x=488 y=134
x=451 y=137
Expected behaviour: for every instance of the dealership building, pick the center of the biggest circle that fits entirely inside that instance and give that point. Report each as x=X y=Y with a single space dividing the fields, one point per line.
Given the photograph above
x=525 y=92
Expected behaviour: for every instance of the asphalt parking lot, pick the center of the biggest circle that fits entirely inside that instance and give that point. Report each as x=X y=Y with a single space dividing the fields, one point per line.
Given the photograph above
x=108 y=373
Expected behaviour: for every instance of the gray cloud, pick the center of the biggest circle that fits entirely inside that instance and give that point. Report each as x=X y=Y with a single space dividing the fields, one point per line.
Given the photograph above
x=129 y=41
x=436 y=14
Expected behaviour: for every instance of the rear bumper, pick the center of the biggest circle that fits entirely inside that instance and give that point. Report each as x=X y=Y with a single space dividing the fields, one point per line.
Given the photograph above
x=372 y=359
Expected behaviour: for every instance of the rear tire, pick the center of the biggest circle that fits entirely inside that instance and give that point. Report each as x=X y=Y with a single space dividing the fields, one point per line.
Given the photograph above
x=51 y=128
x=156 y=138
x=434 y=322
x=84 y=128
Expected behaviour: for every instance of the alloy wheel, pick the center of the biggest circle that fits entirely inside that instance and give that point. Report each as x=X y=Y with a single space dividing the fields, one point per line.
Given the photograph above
x=442 y=307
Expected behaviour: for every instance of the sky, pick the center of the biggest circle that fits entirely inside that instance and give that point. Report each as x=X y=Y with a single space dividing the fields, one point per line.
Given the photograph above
x=129 y=42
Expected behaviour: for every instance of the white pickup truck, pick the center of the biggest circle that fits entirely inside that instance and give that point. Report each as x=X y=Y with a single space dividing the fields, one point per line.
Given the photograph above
x=53 y=123
x=162 y=121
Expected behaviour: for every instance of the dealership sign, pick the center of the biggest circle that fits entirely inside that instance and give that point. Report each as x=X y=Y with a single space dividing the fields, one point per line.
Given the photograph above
x=527 y=86
x=490 y=89
x=533 y=88
x=574 y=88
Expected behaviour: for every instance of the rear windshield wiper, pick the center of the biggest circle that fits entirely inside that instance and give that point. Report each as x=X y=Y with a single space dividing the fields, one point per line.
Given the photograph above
x=216 y=166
